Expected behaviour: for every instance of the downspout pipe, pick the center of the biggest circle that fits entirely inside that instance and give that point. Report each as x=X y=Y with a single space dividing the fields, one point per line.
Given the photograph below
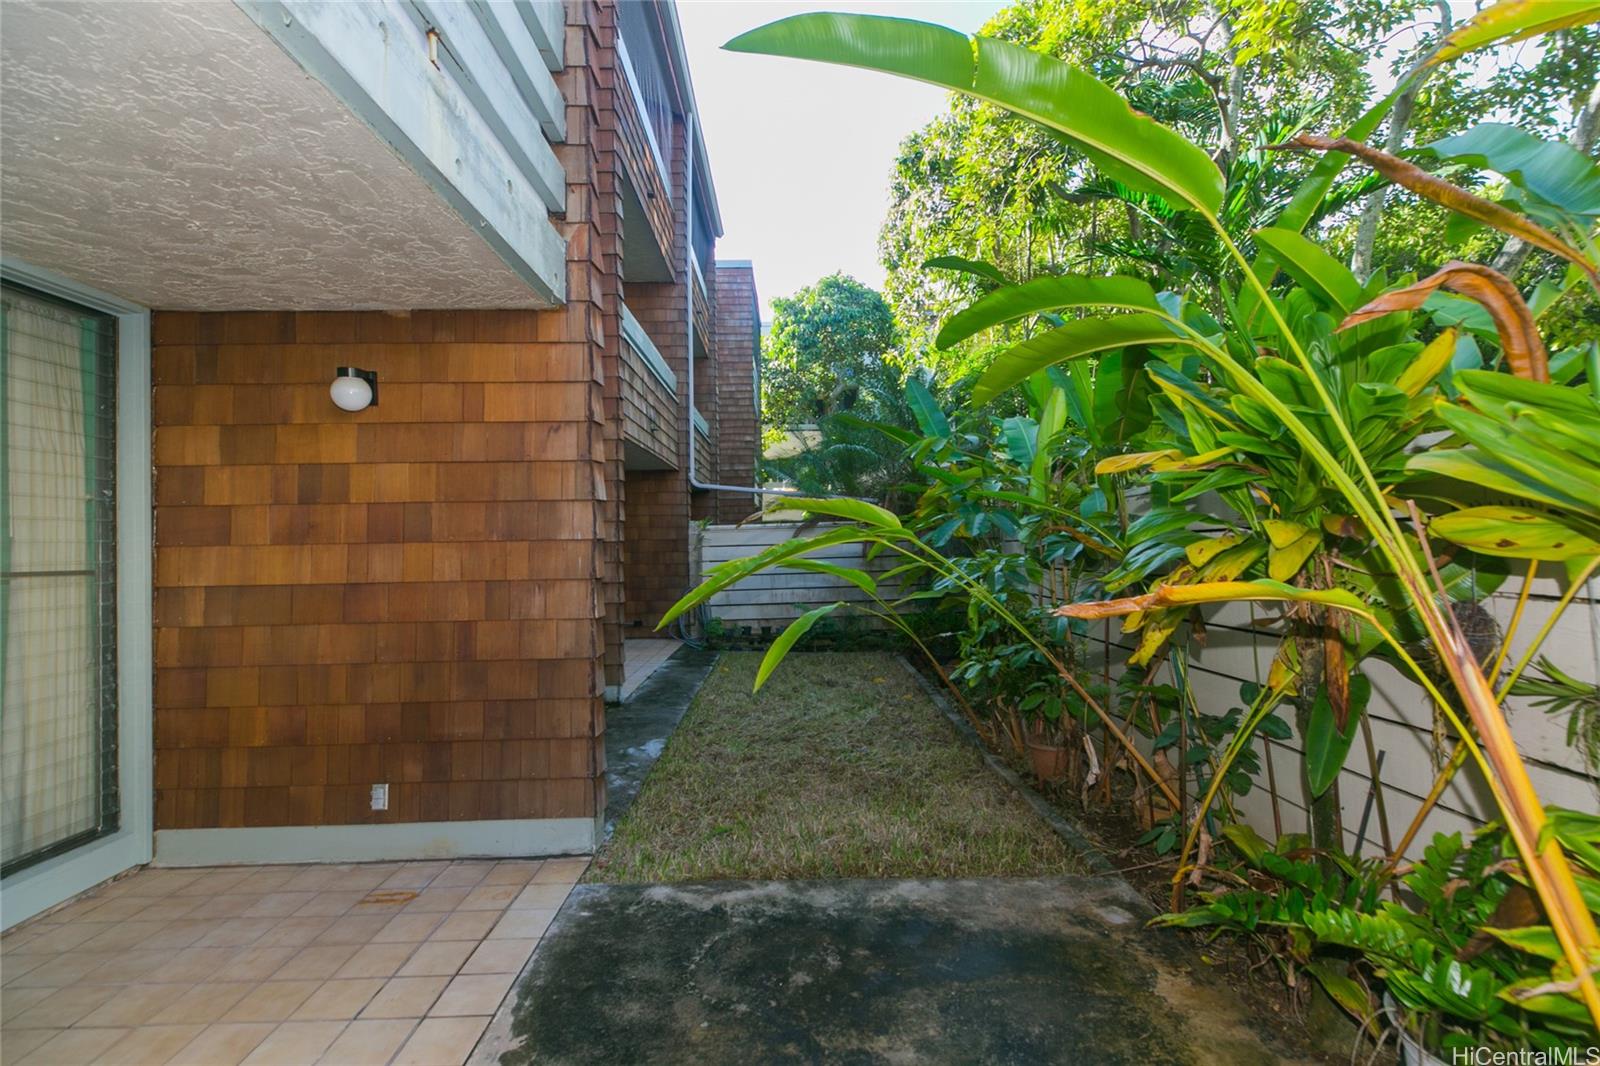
x=691 y=125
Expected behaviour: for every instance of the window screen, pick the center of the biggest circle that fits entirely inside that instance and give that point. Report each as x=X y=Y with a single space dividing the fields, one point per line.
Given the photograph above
x=58 y=597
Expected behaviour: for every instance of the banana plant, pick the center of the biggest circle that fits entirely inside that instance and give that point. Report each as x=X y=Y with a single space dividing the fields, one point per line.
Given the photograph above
x=1149 y=158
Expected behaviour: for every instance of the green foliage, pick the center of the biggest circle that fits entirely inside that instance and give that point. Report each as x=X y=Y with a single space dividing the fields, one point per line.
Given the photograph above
x=1267 y=409
x=1458 y=975
x=980 y=184
x=831 y=374
x=829 y=350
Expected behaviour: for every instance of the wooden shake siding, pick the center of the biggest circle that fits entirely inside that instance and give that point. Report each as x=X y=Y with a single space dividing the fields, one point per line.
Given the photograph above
x=656 y=513
x=738 y=333
x=649 y=411
x=422 y=593
x=591 y=84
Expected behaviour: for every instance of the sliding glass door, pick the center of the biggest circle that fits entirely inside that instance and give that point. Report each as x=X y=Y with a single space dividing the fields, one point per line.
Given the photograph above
x=58 y=738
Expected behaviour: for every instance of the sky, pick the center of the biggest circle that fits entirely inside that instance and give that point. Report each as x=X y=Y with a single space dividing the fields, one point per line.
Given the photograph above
x=801 y=152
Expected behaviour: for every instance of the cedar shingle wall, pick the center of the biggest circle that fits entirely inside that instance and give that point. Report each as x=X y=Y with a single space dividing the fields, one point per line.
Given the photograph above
x=591 y=86
x=738 y=329
x=403 y=595
x=422 y=593
x=656 y=515
x=649 y=412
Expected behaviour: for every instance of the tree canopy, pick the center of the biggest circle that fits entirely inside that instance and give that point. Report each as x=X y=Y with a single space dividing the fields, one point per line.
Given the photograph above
x=828 y=341
x=831 y=367
x=1233 y=76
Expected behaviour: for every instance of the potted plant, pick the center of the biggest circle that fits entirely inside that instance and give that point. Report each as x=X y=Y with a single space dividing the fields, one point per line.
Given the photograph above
x=1048 y=753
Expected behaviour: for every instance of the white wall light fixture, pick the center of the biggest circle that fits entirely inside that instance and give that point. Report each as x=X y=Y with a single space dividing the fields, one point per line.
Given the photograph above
x=354 y=389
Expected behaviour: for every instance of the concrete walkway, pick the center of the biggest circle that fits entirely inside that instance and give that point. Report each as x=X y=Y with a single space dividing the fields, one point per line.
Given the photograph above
x=731 y=973
x=638 y=728
x=993 y=971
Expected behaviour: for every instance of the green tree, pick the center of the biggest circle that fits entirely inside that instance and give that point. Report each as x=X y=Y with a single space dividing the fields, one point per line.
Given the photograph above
x=828 y=342
x=831 y=368
x=1232 y=76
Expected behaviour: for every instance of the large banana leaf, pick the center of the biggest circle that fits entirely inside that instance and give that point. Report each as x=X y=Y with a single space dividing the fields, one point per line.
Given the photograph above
x=1552 y=170
x=1516 y=20
x=1130 y=147
x=1312 y=267
x=1045 y=294
x=787 y=640
x=1068 y=342
x=1212 y=592
x=930 y=419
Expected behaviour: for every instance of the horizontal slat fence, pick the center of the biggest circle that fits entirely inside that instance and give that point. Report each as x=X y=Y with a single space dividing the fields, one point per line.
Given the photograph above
x=776 y=597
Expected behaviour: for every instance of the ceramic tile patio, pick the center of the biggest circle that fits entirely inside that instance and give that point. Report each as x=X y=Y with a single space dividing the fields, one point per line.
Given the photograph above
x=347 y=965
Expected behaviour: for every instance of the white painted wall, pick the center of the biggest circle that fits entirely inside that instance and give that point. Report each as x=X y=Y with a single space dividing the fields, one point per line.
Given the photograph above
x=1402 y=722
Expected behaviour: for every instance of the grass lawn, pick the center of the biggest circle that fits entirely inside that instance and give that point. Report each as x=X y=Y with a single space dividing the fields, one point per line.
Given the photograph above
x=839 y=767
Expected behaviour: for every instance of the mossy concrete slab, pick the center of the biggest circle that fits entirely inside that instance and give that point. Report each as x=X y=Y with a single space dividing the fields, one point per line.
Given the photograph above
x=637 y=730
x=995 y=971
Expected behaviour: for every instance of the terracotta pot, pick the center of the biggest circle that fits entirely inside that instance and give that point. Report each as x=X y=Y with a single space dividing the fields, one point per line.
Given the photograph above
x=1049 y=760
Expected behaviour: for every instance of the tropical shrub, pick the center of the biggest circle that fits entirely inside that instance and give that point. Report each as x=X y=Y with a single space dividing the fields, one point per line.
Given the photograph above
x=1464 y=959
x=1288 y=397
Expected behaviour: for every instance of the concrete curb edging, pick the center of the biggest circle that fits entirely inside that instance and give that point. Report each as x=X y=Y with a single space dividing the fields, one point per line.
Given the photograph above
x=1073 y=834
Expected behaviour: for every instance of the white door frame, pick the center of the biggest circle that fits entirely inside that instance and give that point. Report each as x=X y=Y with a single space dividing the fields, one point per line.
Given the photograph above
x=45 y=884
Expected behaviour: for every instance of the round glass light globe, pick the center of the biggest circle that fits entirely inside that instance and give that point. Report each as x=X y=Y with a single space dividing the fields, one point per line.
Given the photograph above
x=350 y=393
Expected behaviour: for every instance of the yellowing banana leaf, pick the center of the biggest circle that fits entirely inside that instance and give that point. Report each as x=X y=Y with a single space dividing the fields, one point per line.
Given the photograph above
x=1285 y=562
x=1281 y=533
x=1232 y=563
x=1157 y=630
x=1285 y=665
x=1343 y=525
x=1118 y=464
x=1515 y=20
x=1454 y=197
x=1515 y=533
x=1192 y=462
x=1513 y=321
x=1202 y=552
x=1429 y=363
x=1211 y=592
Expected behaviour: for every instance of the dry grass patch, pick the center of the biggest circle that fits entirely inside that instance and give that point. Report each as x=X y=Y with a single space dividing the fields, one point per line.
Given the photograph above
x=839 y=767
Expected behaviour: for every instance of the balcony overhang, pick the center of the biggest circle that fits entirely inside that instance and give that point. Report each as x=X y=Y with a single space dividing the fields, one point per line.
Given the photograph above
x=175 y=155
